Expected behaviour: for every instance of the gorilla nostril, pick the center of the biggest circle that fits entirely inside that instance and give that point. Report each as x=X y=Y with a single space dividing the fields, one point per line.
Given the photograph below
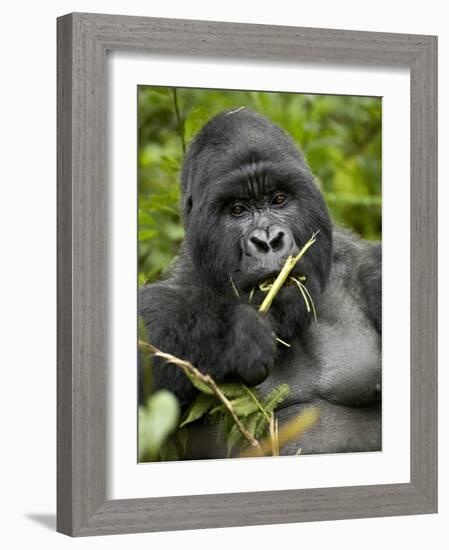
x=277 y=242
x=260 y=244
x=274 y=240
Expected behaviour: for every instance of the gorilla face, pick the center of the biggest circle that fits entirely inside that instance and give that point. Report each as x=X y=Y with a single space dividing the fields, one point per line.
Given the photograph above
x=249 y=201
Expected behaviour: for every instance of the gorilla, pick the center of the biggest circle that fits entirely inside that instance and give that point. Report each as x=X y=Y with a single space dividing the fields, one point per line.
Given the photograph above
x=249 y=200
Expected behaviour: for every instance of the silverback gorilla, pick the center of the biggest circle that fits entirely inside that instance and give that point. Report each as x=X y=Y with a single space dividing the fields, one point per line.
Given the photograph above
x=249 y=200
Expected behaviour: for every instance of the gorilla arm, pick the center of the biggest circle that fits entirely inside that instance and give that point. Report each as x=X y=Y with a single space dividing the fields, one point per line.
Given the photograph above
x=223 y=338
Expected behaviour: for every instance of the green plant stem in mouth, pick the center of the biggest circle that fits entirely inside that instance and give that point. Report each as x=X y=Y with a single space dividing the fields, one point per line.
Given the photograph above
x=274 y=287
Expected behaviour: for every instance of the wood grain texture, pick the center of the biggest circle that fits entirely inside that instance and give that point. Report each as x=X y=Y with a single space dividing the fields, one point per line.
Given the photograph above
x=64 y=277
x=423 y=272
x=83 y=40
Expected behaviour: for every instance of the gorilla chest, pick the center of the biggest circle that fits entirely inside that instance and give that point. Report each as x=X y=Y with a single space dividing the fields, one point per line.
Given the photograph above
x=339 y=360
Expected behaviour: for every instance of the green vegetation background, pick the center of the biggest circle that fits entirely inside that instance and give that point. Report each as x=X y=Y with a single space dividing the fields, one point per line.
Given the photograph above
x=339 y=135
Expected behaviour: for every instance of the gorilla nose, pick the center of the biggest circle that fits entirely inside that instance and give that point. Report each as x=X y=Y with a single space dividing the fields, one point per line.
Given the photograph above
x=275 y=239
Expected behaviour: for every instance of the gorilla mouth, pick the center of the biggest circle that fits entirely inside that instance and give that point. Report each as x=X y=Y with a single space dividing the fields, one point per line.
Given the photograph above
x=265 y=284
x=263 y=281
x=269 y=270
x=253 y=282
x=271 y=285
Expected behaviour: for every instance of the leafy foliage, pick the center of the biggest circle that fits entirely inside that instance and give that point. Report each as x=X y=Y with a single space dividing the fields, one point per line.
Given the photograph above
x=201 y=406
x=252 y=410
x=157 y=419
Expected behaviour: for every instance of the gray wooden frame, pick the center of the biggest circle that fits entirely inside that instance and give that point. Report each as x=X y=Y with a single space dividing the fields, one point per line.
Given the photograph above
x=83 y=40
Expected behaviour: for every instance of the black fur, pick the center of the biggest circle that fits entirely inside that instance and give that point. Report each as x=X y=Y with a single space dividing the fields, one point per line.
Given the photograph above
x=240 y=158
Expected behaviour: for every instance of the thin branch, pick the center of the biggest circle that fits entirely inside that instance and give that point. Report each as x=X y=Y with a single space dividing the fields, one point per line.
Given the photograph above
x=208 y=381
x=257 y=402
x=179 y=120
x=274 y=436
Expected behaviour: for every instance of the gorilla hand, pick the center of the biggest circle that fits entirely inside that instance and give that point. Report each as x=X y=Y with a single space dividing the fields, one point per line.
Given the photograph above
x=228 y=340
x=251 y=346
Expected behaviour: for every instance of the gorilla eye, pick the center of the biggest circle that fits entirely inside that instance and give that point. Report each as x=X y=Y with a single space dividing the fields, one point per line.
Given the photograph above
x=279 y=199
x=237 y=210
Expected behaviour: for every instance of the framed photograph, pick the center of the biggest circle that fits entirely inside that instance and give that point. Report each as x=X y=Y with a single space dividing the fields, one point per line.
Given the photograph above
x=247 y=282
x=291 y=361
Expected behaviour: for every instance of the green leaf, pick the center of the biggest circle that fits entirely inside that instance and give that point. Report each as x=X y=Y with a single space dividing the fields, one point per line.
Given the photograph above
x=199 y=384
x=147 y=234
x=142 y=279
x=170 y=165
x=199 y=408
x=228 y=423
x=234 y=437
x=145 y=218
x=243 y=406
x=232 y=389
x=161 y=91
x=252 y=421
x=157 y=419
x=275 y=397
x=220 y=408
x=261 y=426
x=195 y=121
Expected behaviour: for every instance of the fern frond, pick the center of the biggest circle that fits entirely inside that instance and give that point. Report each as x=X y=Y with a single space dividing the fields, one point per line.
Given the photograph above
x=275 y=398
x=198 y=408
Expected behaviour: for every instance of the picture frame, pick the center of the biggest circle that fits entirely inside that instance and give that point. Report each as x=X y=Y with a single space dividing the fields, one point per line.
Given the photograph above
x=83 y=41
